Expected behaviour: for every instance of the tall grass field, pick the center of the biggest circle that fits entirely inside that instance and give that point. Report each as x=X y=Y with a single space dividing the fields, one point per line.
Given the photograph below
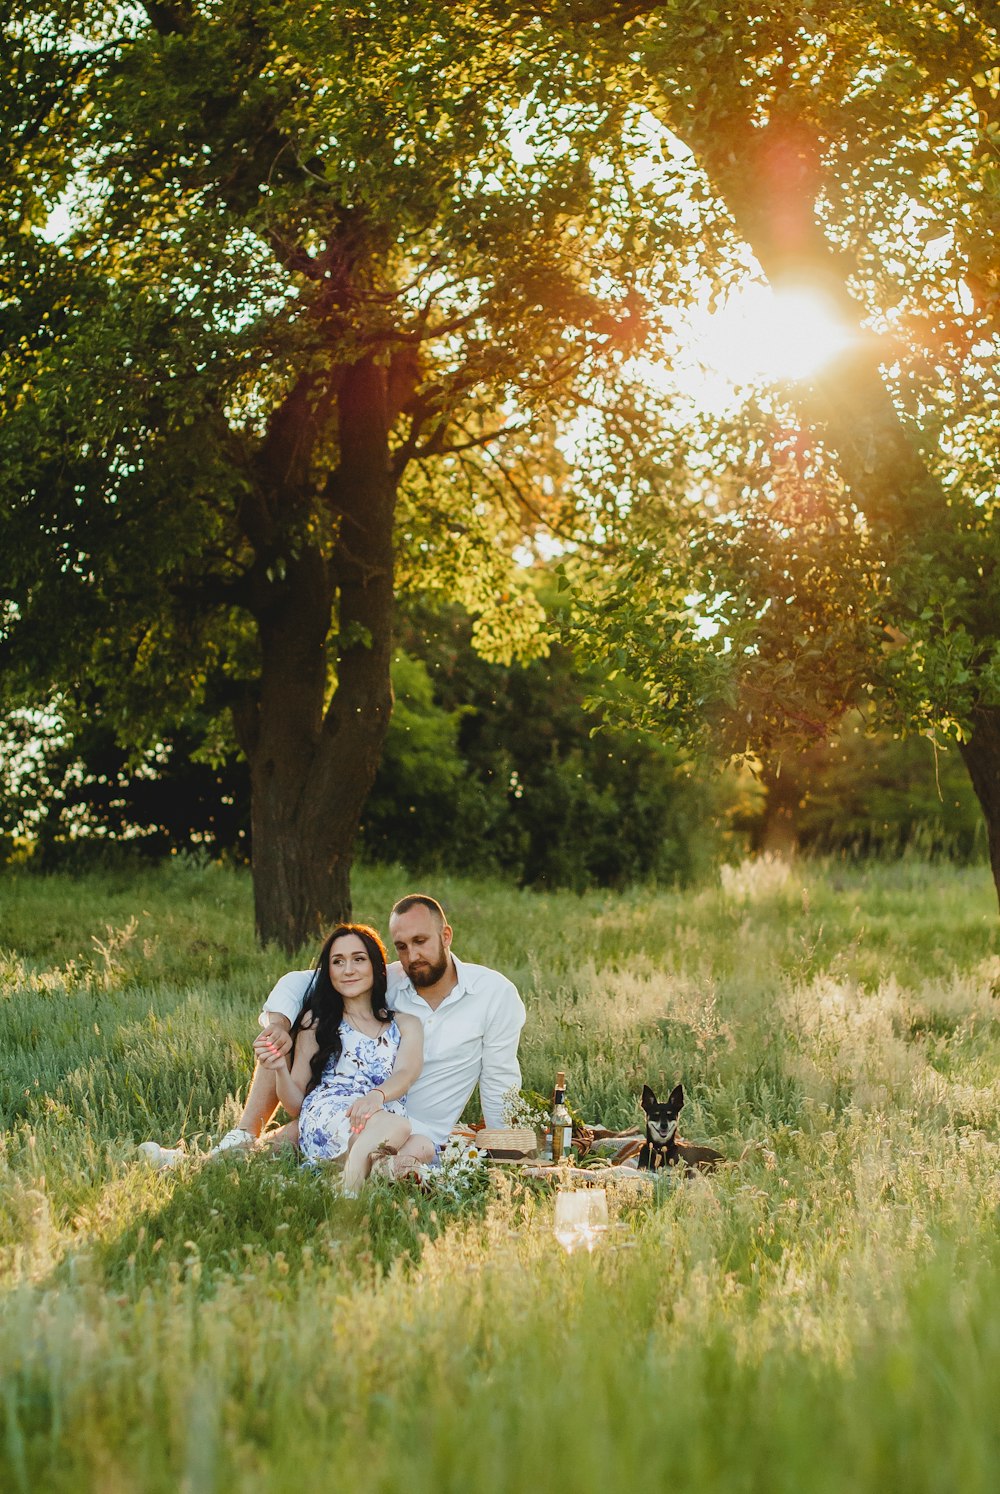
x=821 y=1314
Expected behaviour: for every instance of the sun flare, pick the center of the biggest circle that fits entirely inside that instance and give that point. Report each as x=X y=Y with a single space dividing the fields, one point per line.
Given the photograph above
x=759 y=335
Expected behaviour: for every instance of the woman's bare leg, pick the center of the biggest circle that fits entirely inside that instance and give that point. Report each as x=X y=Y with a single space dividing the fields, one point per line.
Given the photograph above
x=415 y=1150
x=383 y=1128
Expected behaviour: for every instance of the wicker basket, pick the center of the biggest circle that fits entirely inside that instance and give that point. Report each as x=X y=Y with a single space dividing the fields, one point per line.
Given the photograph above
x=508 y=1145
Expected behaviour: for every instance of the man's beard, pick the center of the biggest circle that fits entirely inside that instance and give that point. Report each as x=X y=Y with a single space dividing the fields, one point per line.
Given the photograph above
x=431 y=973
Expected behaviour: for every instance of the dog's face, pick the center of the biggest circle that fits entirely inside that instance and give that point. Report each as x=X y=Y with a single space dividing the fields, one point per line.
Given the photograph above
x=661 y=1119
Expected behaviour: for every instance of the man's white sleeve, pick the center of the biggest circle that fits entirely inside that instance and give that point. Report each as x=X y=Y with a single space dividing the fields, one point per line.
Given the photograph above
x=501 y=1071
x=287 y=995
x=394 y=979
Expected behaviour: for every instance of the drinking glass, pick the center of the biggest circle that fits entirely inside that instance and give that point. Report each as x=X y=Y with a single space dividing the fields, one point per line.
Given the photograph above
x=581 y=1217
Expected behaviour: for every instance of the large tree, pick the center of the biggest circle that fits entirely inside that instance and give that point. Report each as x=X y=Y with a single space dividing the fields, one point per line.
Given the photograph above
x=294 y=299
x=835 y=543
x=322 y=283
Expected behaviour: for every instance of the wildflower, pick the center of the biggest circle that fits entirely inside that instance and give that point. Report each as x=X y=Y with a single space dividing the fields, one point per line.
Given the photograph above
x=461 y=1171
x=521 y=1111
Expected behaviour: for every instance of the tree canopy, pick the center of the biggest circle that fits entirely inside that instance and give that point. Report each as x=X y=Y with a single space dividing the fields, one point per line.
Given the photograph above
x=295 y=298
x=305 y=304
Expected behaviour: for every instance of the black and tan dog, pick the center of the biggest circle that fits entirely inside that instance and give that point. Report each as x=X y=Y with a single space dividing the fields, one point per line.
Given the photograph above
x=663 y=1147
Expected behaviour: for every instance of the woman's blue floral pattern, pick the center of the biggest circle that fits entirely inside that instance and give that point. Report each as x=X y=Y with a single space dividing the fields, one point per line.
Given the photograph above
x=364 y=1064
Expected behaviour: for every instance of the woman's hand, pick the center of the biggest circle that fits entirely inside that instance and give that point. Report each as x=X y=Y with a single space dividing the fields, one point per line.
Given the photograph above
x=277 y=1034
x=269 y=1055
x=360 y=1112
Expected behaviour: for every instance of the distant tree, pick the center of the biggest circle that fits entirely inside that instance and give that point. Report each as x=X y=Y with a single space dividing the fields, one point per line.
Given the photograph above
x=862 y=793
x=872 y=794
x=69 y=798
x=293 y=299
x=503 y=768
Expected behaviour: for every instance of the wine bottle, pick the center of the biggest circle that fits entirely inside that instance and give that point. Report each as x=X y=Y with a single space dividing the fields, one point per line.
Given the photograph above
x=562 y=1123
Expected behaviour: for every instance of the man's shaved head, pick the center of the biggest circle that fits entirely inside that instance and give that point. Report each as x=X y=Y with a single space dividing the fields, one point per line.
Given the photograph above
x=419 y=900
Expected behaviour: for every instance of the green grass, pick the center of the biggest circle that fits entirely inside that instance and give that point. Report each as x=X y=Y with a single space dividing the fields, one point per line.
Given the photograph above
x=823 y=1314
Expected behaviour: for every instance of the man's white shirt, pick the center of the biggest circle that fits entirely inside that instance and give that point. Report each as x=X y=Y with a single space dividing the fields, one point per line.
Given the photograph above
x=470 y=1039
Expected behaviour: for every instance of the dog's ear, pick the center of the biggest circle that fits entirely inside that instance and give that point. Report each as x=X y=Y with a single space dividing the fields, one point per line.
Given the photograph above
x=648 y=1101
x=676 y=1100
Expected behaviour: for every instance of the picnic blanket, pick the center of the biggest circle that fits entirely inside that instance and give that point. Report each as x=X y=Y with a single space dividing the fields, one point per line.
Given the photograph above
x=609 y=1154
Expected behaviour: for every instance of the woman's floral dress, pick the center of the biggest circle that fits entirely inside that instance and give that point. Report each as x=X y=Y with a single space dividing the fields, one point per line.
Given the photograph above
x=364 y=1064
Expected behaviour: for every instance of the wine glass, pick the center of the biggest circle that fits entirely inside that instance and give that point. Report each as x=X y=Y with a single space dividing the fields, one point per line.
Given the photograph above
x=581 y=1217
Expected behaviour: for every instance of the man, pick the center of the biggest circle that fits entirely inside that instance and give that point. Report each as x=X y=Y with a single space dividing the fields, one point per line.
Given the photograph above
x=471 y=1016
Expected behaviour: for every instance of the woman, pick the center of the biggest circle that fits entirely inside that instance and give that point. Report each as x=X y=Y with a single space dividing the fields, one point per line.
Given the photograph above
x=353 y=1059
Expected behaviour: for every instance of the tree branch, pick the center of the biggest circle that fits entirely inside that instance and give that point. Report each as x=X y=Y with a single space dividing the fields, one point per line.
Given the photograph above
x=293 y=430
x=436 y=447
x=526 y=503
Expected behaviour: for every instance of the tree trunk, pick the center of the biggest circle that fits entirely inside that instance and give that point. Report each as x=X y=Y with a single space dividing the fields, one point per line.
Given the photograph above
x=312 y=769
x=981 y=754
x=778 y=834
x=303 y=836
x=301 y=862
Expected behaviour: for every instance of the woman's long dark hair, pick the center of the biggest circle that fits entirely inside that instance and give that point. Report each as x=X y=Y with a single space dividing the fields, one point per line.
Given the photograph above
x=323 y=1007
